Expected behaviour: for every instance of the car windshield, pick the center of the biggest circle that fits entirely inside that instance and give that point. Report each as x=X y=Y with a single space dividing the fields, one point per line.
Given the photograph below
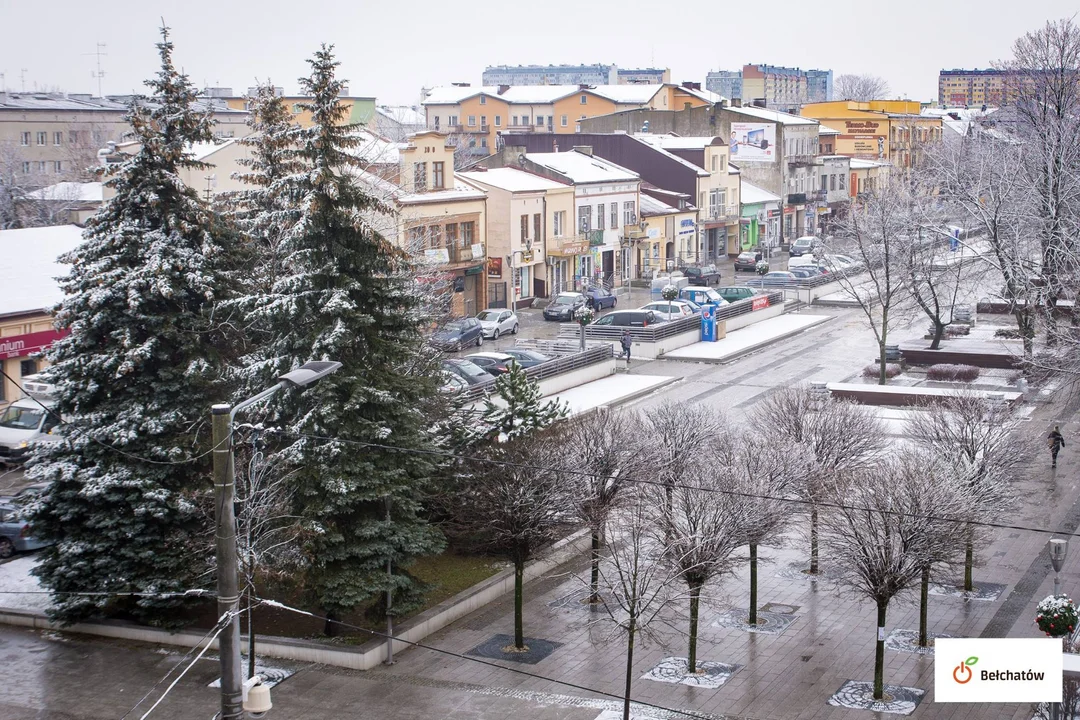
x=489 y=315
x=471 y=368
x=19 y=418
x=711 y=295
x=566 y=300
x=746 y=256
x=527 y=355
x=454 y=327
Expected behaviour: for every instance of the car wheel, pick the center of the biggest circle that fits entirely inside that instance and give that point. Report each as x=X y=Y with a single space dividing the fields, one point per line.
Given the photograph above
x=479 y=340
x=514 y=331
x=7 y=548
x=614 y=302
x=495 y=335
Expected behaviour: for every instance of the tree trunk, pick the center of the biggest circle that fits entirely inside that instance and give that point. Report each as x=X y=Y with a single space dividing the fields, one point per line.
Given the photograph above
x=251 y=636
x=879 y=653
x=969 y=561
x=629 y=666
x=594 y=580
x=330 y=624
x=519 y=577
x=882 y=362
x=924 y=598
x=939 y=332
x=813 y=540
x=753 y=583
x=695 y=602
x=1026 y=326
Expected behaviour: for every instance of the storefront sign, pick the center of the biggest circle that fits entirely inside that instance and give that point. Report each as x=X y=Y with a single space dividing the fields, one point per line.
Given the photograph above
x=759 y=303
x=477 y=251
x=686 y=227
x=14 y=346
x=526 y=256
x=494 y=266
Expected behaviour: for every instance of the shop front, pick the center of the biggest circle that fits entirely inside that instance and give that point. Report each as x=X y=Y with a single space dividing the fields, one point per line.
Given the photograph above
x=21 y=341
x=568 y=261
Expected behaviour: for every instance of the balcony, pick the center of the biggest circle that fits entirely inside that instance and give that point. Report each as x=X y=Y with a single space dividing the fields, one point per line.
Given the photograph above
x=571 y=245
x=720 y=214
x=802 y=160
x=455 y=254
x=634 y=232
x=596 y=237
x=817 y=196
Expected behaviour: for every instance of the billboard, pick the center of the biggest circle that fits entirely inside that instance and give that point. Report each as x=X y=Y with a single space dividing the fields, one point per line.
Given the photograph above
x=752 y=142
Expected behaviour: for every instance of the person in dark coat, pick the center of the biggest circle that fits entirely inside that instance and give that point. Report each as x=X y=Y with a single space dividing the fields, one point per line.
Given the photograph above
x=1056 y=441
x=626 y=343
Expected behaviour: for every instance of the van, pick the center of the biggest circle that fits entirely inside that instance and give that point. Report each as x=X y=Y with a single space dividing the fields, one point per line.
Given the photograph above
x=28 y=420
x=801 y=261
x=805 y=245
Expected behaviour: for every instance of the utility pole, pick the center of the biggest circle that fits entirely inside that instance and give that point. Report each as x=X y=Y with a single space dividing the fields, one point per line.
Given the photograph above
x=228 y=596
x=22 y=78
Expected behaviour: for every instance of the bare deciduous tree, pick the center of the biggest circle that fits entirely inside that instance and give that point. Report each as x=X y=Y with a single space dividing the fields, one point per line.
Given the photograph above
x=831 y=436
x=880 y=534
x=860 y=87
x=976 y=440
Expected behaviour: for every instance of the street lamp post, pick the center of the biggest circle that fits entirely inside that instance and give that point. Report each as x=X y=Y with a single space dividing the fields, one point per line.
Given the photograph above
x=1058 y=549
x=228 y=594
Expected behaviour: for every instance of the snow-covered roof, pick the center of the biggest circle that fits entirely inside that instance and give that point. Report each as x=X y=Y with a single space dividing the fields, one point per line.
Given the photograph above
x=773 y=115
x=202 y=150
x=512 y=180
x=677 y=142
x=826 y=130
x=653 y=141
x=69 y=192
x=627 y=94
x=861 y=164
x=28 y=282
x=706 y=95
x=582 y=168
x=376 y=149
x=651 y=206
x=543 y=94
x=403 y=114
x=752 y=195
x=58 y=101
x=390 y=192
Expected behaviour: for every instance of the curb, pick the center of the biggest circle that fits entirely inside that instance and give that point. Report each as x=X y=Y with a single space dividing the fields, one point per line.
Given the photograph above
x=753 y=348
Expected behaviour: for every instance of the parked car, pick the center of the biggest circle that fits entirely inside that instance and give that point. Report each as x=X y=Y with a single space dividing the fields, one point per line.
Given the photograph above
x=28 y=420
x=671 y=311
x=456 y=334
x=805 y=245
x=498 y=321
x=701 y=295
x=527 y=358
x=629 y=318
x=15 y=533
x=600 y=298
x=736 y=293
x=702 y=275
x=26 y=495
x=468 y=371
x=747 y=261
x=776 y=278
x=805 y=271
x=495 y=363
x=452 y=382
x=564 y=305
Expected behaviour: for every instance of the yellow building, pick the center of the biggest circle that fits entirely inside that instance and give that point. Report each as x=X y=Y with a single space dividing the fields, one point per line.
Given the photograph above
x=867 y=176
x=668 y=233
x=361 y=110
x=891 y=130
x=476 y=117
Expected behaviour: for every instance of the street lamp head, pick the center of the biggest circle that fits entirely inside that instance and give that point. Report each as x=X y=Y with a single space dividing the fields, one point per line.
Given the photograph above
x=1058 y=549
x=309 y=373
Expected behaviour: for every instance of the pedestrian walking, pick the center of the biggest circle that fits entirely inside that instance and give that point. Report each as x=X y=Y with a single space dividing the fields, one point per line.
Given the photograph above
x=626 y=343
x=1056 y=441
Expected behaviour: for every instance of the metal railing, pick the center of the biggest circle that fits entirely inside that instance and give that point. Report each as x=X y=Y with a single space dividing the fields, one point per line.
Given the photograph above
x=568 y=357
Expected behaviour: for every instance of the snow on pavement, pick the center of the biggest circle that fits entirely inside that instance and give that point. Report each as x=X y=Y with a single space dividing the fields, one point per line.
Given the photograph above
x=611 y=390
x=746 y=339
x=19 y=590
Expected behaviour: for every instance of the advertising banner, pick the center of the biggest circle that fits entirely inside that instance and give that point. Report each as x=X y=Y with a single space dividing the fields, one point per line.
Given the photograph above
x=752 y=142
x=16 y=346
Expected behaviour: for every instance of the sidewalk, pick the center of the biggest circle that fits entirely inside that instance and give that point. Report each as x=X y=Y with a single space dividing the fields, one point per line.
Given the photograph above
x=748 y=339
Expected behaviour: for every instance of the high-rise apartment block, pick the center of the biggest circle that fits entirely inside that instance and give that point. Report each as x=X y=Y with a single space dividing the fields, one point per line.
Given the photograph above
x=573 y=75
x=972 y=88
x=782 y=88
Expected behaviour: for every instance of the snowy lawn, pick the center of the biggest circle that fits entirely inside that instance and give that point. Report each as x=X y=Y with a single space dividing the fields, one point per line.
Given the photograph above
x=19 y=590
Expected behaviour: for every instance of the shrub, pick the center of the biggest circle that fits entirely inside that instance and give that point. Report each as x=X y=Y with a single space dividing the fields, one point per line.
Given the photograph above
x=951 y=372
x=873 y=370
x=957 y=329
x=1007 y=333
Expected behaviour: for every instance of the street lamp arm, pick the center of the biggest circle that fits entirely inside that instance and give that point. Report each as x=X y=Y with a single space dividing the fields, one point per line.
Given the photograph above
x=253 y=399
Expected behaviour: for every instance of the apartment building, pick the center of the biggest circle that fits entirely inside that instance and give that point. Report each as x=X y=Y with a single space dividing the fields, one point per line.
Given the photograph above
x=972 y=88
x=782 y=88
x=477 y=117
x=573 y=75
x=533 y=246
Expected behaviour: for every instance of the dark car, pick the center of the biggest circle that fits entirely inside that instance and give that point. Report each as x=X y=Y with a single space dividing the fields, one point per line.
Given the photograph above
x=600 y=298
x=495 y=363
x=468 y=371
x=805 y=271
x=564 y=305
x=702 y=275
x=629 y=318
x=456 y=334
x=804 y=245
x=736 y=293
x=776 y=278
x=527 y=358
x=747 y=261
x=15 y=532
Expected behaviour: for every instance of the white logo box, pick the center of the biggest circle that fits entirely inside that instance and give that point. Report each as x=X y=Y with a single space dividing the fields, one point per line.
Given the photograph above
x=997 y=670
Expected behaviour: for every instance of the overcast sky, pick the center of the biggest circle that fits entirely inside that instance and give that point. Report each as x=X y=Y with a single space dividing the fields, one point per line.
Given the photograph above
x=392 y=49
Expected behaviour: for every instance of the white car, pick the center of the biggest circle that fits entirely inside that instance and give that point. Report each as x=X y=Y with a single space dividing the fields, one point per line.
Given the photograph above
x=670 y=311
x=498 y=321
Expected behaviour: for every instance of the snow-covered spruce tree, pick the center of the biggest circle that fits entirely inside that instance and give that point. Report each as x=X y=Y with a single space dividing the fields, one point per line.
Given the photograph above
x=136 y=376
x=343 y=297
x=516 y=409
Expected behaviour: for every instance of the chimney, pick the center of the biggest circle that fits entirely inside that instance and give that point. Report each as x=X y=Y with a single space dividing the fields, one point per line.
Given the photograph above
x=736 y=102
x=759 y=102
x=583 y=149
x=584 y=86
x=461 y=84
x=691 y=85
x=503 y=88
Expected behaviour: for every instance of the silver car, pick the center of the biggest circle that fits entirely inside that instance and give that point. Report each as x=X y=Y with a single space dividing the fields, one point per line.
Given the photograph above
x=498 y=321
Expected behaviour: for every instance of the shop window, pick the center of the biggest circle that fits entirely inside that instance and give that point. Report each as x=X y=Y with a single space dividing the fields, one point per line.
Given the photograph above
x=28 y=367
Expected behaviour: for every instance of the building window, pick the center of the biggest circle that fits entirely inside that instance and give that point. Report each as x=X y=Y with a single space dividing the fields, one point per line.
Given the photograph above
x=41 y=166
x=629 y=215
x=483 y=142
x=832 y=182
x=472 y=121
x=467 y=233
x=715 y=163
x=483 y=100
x=614 y=214
x=539 y=120
x=435 y=237
x=436 y=119
x=26 y=138
x=98 y=137
x=514 y=120
x=296 y=109
x=600 y=216
x=584 y=99
x=437 y=175
x=498 y=121
x=483 y=121
x=563 y=121
x=420 y=176
x=27 y=368
x=58 y=138
x=26 y=168
x=42 y=138
x=73 y=137
x=558 y=223
x=451 y=120
x=538 y=223
x=824 y=182
x=584 y=215
x=842 y=181
x=524 y=227
x=58 y=166
x=451 y=234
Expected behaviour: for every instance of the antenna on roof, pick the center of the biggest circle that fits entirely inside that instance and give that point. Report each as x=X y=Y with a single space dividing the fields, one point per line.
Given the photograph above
x=99 y=73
